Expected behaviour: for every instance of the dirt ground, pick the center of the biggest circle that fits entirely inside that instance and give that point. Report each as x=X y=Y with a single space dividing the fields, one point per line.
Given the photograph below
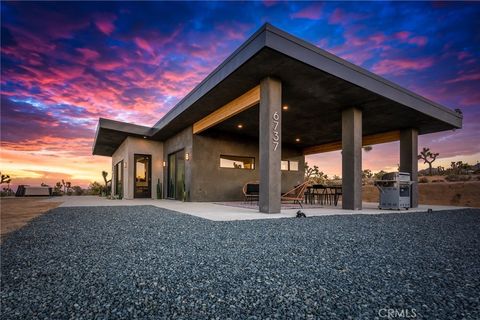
x=16 y=212
x=464 y=194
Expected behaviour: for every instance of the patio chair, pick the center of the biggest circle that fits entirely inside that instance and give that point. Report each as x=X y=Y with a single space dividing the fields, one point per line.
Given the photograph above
x=296 y=194
x=251 y=191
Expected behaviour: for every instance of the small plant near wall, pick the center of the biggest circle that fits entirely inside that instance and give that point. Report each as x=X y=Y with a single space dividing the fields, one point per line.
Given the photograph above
x=184 y=193
x=120 y=192
x=159 y=189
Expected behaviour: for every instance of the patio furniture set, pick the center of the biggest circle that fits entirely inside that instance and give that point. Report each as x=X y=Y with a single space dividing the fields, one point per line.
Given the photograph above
x=323 y=194
x=302 y=193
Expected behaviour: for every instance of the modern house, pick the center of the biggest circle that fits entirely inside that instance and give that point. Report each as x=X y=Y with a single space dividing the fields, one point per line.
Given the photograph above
x=276 y=99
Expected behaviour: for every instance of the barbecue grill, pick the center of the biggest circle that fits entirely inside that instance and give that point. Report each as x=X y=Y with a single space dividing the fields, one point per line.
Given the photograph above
x=394 y=190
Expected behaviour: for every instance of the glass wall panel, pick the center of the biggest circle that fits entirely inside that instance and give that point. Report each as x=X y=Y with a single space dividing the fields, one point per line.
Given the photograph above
x=171 y=176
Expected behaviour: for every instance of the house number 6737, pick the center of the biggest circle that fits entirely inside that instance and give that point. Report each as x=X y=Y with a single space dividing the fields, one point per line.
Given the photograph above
x=276 y=136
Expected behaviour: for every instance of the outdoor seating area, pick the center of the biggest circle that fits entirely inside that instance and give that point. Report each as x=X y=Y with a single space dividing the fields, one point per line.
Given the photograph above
x=305 y=193
x=323 y=194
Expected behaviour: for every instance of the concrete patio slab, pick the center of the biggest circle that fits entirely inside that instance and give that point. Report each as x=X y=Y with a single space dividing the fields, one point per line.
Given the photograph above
x=219 y=212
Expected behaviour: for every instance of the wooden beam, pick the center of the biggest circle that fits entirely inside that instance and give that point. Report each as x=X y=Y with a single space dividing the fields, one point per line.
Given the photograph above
x=366 y=141
x=242 y=103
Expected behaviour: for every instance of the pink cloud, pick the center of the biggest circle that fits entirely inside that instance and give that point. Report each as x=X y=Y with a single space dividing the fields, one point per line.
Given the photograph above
x=144 y=45
x=105 y=24
x=108 y=65
x=339 y=16
x=313 y=12
x=419 y=41
x=400 y=66
x=88 y=54
x=269 y=3
x=463 y=55
x=465 y=77
x=402 y=35
x=406 y=36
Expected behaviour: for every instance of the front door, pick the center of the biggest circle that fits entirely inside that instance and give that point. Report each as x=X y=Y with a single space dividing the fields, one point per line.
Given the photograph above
x=176 y=175
x=143 y=175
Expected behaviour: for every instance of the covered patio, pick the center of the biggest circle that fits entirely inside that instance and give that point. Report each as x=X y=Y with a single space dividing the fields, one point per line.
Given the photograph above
x=284 y=92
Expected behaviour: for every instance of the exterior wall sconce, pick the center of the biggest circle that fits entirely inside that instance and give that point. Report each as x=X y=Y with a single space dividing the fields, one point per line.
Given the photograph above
x=187 y=156
x=164 y=164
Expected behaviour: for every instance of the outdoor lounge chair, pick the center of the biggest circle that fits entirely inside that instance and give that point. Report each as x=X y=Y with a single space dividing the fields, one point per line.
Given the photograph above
x=251 y=191
x=296 y=194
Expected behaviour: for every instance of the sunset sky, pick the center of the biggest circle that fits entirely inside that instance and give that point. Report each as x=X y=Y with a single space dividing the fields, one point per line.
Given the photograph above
x=65 y=64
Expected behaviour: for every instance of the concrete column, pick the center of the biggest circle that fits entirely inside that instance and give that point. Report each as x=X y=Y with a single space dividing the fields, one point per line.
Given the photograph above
x=409 y=160
x=270 y=142
x=352 y=159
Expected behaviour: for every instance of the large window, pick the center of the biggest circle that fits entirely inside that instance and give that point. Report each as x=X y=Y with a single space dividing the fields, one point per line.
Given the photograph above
x=236 y=162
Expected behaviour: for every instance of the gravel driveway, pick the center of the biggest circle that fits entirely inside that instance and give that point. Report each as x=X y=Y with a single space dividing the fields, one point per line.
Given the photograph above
x=146 y=262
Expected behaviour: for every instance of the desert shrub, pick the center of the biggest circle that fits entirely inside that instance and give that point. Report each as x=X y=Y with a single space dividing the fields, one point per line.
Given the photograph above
x=455 y=177
x=77 y=190
x=423 y=180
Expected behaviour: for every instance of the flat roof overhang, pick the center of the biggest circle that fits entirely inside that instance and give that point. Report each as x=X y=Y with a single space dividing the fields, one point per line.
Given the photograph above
x=316 y=85
x=110 y=135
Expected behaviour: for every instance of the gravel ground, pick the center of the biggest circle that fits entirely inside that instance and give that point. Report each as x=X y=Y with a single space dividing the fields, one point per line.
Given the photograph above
x=146 y=262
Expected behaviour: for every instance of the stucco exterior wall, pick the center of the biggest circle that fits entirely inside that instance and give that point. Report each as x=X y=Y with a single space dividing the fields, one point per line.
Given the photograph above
x=204 y=179
x=127 y=151
x=212 y=183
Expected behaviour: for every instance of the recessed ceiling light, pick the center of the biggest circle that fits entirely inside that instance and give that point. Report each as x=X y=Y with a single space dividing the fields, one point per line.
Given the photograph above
x=285 y=107
x=297 y=140
x=239 y=126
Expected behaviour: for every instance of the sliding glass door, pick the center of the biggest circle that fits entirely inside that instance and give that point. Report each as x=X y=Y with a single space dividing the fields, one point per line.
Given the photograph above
x=119 y=179
x=176 y=175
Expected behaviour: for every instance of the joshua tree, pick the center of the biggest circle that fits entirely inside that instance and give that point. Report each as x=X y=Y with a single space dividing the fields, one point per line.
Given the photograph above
x=378 y=175
x=314 y=174
x=58 y=188
x=367 y=174
x=459 y=167
x=428 y=157
x=104 y=175
x=5 y=178
x=440 y=170
x=311 y=171
x=68 y=184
